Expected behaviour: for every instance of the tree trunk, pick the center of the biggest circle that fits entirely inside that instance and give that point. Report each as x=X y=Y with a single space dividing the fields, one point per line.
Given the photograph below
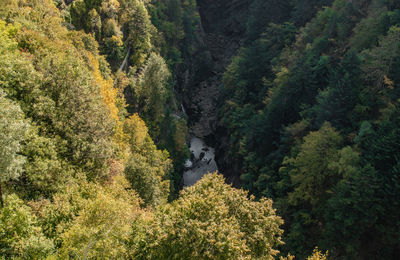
x=125 y=61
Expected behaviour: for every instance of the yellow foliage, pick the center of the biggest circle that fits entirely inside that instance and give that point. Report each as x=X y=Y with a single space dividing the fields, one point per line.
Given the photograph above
x=38 y=15
x=117 y=40
x=136 y=132
x=108 y=92
x=317 y=255
x=388 y=82
x=102 y=224
x=213 y=221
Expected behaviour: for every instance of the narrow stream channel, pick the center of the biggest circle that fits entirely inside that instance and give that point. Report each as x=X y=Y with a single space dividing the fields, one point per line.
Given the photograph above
x=202 y=162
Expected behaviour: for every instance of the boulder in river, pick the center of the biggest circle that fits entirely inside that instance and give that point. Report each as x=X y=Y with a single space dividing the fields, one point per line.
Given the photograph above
x=201 y=156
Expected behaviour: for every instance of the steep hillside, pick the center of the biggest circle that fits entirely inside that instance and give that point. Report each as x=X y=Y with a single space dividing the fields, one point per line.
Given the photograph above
x=307 y=108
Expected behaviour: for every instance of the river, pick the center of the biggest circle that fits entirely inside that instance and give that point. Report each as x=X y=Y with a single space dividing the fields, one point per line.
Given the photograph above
x=202 y=161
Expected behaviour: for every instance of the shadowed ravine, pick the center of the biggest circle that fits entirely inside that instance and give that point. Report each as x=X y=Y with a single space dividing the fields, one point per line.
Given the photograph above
x=222 y=28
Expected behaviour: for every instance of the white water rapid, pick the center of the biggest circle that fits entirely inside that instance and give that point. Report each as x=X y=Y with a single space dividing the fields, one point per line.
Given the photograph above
x=202 y=161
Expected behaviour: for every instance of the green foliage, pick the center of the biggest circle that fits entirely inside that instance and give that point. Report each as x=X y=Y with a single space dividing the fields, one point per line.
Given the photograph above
x=53 y=83
x=76 y=97
x=150 y=89
x=210 y=220
x=353 y=207
x=118 y=26
x=176 y=20
x=310 y=105
x=336 y=64
x=337 y=102
x=368 y=31
x=154 y=100
x=57 y=216
x=313 y=176
x=89 y=220
x=262 y=13
x=102 y=225
x=147 y=168
x=130 y=42
x=13 y=128
x=304 y=10
x=137 y=29
x=20 y=235
x=66 y=158
x=379 y=62
x=44 y=171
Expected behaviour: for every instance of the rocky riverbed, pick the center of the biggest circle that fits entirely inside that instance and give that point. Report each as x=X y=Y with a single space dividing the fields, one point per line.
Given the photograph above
x=202 y=161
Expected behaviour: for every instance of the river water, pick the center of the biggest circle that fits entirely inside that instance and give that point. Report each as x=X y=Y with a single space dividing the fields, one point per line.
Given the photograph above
x=202 y=161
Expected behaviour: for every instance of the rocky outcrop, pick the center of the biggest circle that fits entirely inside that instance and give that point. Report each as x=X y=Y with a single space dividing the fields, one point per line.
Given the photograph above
x=225 y=17
x=223 y=25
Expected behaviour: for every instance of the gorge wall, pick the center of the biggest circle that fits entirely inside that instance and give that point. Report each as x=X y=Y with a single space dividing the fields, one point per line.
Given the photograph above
x=223 y=26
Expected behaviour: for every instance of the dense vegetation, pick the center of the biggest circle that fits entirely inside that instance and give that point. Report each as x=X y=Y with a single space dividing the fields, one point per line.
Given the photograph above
x=92 y=140
x=311 y=103
x=81 y=176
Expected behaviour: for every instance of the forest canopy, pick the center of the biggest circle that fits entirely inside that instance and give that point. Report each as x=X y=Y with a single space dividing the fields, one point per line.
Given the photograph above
x=94 y=134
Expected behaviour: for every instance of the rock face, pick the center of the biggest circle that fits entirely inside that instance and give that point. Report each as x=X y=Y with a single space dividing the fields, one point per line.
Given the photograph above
x=224 y=23
x=223 y=16
x=223 y=26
